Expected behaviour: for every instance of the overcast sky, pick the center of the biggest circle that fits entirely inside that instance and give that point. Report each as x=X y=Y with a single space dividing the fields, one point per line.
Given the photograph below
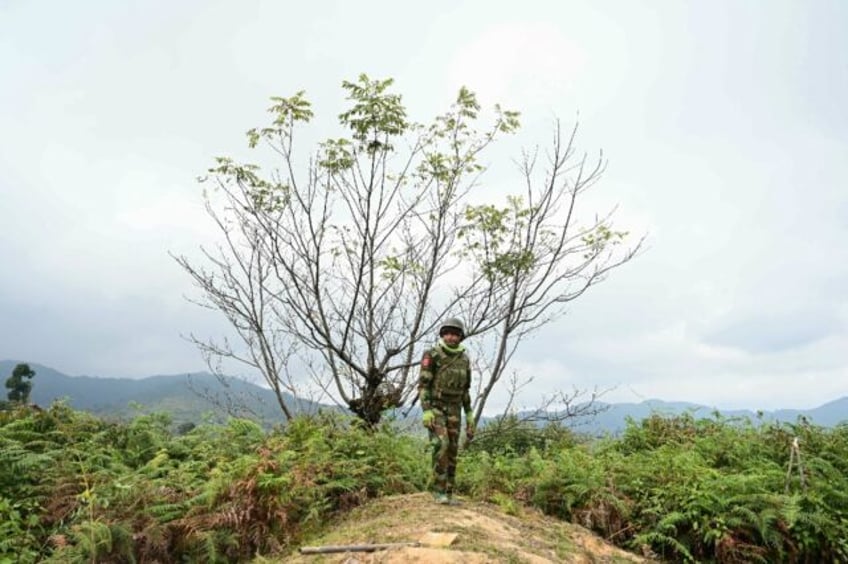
x=725 y=124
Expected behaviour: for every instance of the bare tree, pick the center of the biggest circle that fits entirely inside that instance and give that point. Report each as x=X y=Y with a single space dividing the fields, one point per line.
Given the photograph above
x=534 y=256
x=349 y=262
x=572 y=408
x=575 y=406
x=238 y=284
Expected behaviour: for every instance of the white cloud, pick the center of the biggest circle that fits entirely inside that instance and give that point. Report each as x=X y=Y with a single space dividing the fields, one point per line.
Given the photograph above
x=531 y=63
x=729 y=153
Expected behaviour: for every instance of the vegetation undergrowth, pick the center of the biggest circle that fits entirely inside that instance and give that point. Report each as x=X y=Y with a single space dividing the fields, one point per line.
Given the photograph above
x=75 y=488
x=79 y=489
x=689 y=490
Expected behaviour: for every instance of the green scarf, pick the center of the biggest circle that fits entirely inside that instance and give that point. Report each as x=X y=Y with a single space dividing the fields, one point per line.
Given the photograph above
x=449 y=349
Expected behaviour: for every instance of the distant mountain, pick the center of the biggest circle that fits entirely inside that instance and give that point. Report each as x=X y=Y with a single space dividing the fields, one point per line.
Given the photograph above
x=193 y=397
x=613 y=419
x=830 y=414
x=187 y=397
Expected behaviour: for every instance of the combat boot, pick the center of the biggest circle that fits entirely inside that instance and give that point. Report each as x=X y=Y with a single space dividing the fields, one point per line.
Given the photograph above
x=441 y=498
x=451 y=500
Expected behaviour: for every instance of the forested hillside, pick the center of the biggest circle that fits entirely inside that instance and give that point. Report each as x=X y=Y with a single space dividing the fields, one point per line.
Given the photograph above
x=187 y=398
x=191 y=398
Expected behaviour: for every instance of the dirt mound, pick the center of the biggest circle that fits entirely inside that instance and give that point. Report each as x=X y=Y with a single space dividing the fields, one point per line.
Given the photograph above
x=468 y=533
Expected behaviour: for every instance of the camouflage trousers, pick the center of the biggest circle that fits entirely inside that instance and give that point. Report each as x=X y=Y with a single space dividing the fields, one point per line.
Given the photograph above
x=444 y=444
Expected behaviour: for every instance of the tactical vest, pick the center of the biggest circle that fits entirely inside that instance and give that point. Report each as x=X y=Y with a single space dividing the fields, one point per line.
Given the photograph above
x=450 y=376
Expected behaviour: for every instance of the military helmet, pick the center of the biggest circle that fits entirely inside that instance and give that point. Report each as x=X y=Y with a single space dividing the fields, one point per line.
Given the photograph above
x=452 y=323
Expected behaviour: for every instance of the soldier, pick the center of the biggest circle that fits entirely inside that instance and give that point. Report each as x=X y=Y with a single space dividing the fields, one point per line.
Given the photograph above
x=443 y=388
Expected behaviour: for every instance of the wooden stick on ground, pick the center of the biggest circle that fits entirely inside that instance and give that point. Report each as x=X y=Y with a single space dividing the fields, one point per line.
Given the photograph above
x=354 y=547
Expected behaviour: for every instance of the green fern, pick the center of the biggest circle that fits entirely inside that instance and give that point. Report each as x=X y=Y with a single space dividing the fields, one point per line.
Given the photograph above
x=667 y=546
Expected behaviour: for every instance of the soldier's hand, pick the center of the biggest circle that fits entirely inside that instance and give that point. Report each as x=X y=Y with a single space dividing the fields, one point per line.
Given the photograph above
x=428 y=418
x=469 y=427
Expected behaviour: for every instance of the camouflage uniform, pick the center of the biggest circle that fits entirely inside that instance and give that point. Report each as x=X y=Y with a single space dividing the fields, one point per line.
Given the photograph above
x=443 y=388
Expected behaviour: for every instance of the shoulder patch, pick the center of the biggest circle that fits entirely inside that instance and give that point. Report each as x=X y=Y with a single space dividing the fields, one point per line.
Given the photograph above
x=426 y=361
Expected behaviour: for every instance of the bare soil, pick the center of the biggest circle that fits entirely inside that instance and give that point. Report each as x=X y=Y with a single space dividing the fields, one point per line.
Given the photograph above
x=483 y=532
